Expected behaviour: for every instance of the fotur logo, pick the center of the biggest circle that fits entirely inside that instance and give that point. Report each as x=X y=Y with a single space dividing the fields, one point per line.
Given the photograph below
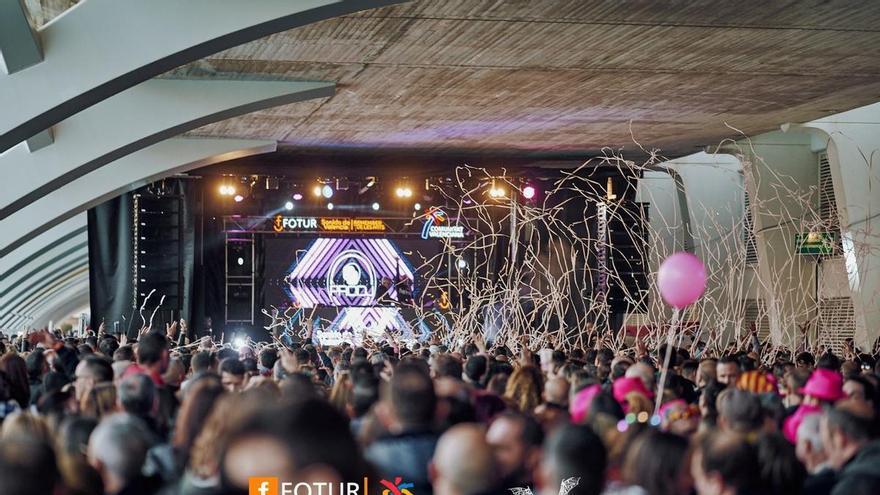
x=263 y=486
x=274 y=486
x=564 y=487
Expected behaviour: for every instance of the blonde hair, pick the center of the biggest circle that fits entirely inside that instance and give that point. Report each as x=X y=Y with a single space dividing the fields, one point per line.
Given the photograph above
x=340 y=395
x=24 y=425
x=99 y=400
x=524 y=388
x=228 y=411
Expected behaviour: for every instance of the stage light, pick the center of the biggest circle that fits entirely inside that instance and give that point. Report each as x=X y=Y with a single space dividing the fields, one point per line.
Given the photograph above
x=288 y=205
x=240 y=261
x=403 y=192
x=497 y=192
x=297 y=197
x=317 y=191
x=329 y=206
x=376 y=207
x=238 y=198
x=417 y=206
x=238 y=343
x=327 y=192
x=462 y=263
x=223 y=189
x=528 y=192
x=230 y=190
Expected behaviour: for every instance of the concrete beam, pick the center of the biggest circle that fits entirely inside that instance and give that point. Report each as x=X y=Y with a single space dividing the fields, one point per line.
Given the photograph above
x=102 y=47
x=19 y=45
x=126 y=174
x=132 y=120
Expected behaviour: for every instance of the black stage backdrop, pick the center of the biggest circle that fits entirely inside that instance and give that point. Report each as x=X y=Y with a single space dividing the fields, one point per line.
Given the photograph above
x=111 y=291
x=111 y=250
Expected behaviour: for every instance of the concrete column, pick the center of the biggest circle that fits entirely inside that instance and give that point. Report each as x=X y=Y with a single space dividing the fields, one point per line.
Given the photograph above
x=853 y=145
x=781 y=176
x=712 y=188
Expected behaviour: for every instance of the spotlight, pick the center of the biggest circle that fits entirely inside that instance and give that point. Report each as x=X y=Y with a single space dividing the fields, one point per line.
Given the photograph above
x=327 y=192
x=375 y=206
x=223 y=189
x=288 y=205
x=297 y=197
x=238 y=198
x=528 y=192
x=497 y=192
x=403 y=192
x=230 y=190
x=417 y=206
x=317 y=190
x=238 y=343
x=240 y=261
x=329 y=206
x=462 y=263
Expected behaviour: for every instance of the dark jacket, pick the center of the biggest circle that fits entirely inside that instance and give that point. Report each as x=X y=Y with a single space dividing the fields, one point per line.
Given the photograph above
x=861 y=473
x=406 y=456
x=820 y=483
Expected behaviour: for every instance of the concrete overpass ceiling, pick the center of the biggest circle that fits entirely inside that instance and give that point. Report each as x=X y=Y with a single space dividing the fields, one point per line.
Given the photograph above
x=567 y=76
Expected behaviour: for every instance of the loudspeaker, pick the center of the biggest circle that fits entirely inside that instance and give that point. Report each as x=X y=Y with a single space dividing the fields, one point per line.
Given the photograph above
x=158 y=248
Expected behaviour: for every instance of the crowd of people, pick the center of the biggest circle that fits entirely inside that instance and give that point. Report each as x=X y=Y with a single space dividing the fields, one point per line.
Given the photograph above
x=102 y=415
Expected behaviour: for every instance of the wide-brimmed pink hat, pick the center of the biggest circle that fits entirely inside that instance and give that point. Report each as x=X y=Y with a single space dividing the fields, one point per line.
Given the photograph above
x=824 y=385
x=792 y=423
x=580 y=405
x=625 y=385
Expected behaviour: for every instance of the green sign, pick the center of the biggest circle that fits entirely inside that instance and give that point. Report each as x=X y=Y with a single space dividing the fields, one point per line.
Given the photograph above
x=822 y=243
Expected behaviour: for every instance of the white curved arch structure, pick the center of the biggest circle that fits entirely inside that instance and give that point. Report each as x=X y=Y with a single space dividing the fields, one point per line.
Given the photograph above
x=102 y=47
x=132 y=120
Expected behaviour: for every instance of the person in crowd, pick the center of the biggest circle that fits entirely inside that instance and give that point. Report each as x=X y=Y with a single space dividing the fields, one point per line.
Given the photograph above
x=739 y=411
x=90 y=372
x=656 y=464
x=553 y=409
x=409 y=414
x=475 y=370
x=707 y=372
x=99 y=400
x=37 y=367
x=454 y=474
x=16 y=371
x=574 y=460
x=516 y=441
x=727 y=370
x=724 y=464
x=524 y=388
x=29 y=467
x=811 y=452
x=138 y=397
x=849 y=434
x=232 y=374
x=117 y=450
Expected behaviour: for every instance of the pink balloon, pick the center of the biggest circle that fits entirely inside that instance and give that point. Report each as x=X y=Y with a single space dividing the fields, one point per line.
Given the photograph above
x=681 y=279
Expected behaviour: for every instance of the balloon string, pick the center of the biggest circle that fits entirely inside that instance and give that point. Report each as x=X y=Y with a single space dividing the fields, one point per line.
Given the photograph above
x=669 y=339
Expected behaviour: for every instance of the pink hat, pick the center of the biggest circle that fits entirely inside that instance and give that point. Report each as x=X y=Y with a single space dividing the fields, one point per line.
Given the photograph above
x=580 y=405
x=824 y=385
x=792 y=423
x=623 y=386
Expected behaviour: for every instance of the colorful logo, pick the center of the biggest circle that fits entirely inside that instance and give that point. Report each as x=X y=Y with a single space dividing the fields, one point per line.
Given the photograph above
x=396 y=488
x=434 y=216
x=262 y=486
